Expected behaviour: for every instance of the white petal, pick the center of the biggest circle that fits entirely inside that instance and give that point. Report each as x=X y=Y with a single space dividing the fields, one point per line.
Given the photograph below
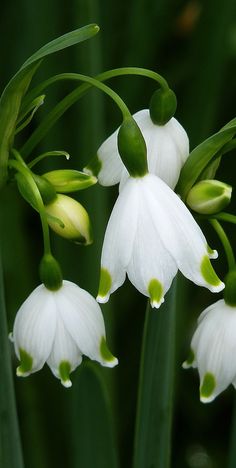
x=34 y=327
x=112 y=165
x=65 y=355
x=180 y=233
x=167 y=147
x=214 y=344
x=83 y=319
x=119 y=237
x=150 y=264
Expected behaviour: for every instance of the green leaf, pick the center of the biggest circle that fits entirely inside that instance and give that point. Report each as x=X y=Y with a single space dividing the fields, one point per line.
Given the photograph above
x=10 y=445
x=154 y=412
x=11 y=98
x=201 y=156
x=93 y=437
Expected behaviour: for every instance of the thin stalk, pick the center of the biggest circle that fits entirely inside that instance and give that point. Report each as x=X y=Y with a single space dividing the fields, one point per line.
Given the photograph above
x=155 y=399
x=227 y=217
x=225 y=242
x=26 y=173
x=123 y=71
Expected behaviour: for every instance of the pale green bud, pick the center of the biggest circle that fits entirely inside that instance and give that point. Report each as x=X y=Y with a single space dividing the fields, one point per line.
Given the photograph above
x=209 y=196
x=68 y=180
x=74 y=218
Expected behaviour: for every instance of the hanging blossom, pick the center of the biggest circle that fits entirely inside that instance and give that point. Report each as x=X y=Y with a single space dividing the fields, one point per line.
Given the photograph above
x=150 y=235
x=167 y=151
x=213 y=349
x=57 y=327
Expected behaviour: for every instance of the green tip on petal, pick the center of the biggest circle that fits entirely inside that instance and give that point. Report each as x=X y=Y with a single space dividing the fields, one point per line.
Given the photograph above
x=189 y=361
x=211 y=252
x=106 y=355
x=64 y=373
x=210 y=276
x=207 y=388
x=104 y=286
x=94 y=166
x=26 y=364
x=155 y=291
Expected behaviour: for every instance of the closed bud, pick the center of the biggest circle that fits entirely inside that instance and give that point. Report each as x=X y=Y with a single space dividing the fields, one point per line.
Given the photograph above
x=75 y=224
x=209 y=196
x=132 y=148
x=68 y=180
x=50 y=272
x=162 y=106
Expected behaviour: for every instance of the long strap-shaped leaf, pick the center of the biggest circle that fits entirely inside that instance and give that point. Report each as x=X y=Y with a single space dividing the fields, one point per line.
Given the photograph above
x=10 y=446
x=154 y=413
x=13 y=93
x=94 y=438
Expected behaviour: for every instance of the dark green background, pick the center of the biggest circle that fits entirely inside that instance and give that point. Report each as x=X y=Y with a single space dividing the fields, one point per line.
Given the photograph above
x=193 y=45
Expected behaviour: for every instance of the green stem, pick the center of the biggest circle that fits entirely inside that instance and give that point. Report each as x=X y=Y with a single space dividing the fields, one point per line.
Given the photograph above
x=123 y=71
x=228 y=217
x=10 y=444
x=20 y=166
x=225 y=242
x=154 y=411
x=73 y=97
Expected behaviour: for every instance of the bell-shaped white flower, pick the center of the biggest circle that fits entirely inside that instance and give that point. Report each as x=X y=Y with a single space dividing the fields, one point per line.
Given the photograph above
x=150 y=235
x=57 y=327
x=167 y=151
x=213 y=349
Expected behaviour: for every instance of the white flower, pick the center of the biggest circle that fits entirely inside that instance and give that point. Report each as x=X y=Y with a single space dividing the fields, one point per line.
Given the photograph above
x=213 y=350
x=167 y=151
x=57 y=327
x=150 y=235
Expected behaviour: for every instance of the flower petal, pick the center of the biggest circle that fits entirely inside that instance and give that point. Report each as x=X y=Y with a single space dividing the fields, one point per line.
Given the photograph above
x=65 y=355
x=34 y=330
x=151 y=268
x=118 y=241
x=83 y=320
x=111 y=163
x=180 y=234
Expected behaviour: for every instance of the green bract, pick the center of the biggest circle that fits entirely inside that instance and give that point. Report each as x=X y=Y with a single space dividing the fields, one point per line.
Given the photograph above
x=162 y=106
x=68 y=180
x=132 y=148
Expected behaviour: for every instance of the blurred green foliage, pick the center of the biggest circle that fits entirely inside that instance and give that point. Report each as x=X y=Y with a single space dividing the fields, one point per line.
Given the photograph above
x=192 y=43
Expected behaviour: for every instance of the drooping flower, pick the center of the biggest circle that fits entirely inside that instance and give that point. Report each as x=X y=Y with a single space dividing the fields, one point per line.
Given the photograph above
x=213 y=349
x=150 y=235
x=167 y=151
x=58 y=327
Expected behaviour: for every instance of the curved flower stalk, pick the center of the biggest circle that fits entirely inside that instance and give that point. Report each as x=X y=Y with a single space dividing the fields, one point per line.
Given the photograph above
x=57 y=327
x=150 y=235
x=167 y=151
x=213 y=348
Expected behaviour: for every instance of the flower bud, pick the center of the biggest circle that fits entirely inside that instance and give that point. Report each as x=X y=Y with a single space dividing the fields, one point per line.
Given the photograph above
x=162 y=106
x=74 y=217
x=50 y=272
x=132 y=148
x=68 y=180
x=209 y=196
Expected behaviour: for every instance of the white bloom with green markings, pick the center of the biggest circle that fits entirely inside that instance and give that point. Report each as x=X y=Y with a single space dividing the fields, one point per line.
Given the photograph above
x=58 y=327
x=167 y=151
x=213 y=349
x=150 y=235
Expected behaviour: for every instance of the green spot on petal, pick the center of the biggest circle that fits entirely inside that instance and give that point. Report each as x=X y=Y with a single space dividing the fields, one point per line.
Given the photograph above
x=105 y=283
x=64 y=373
x=208 y=385
x=26 y=363
x=209 y=273
x=105 y=352
x=155 y=291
